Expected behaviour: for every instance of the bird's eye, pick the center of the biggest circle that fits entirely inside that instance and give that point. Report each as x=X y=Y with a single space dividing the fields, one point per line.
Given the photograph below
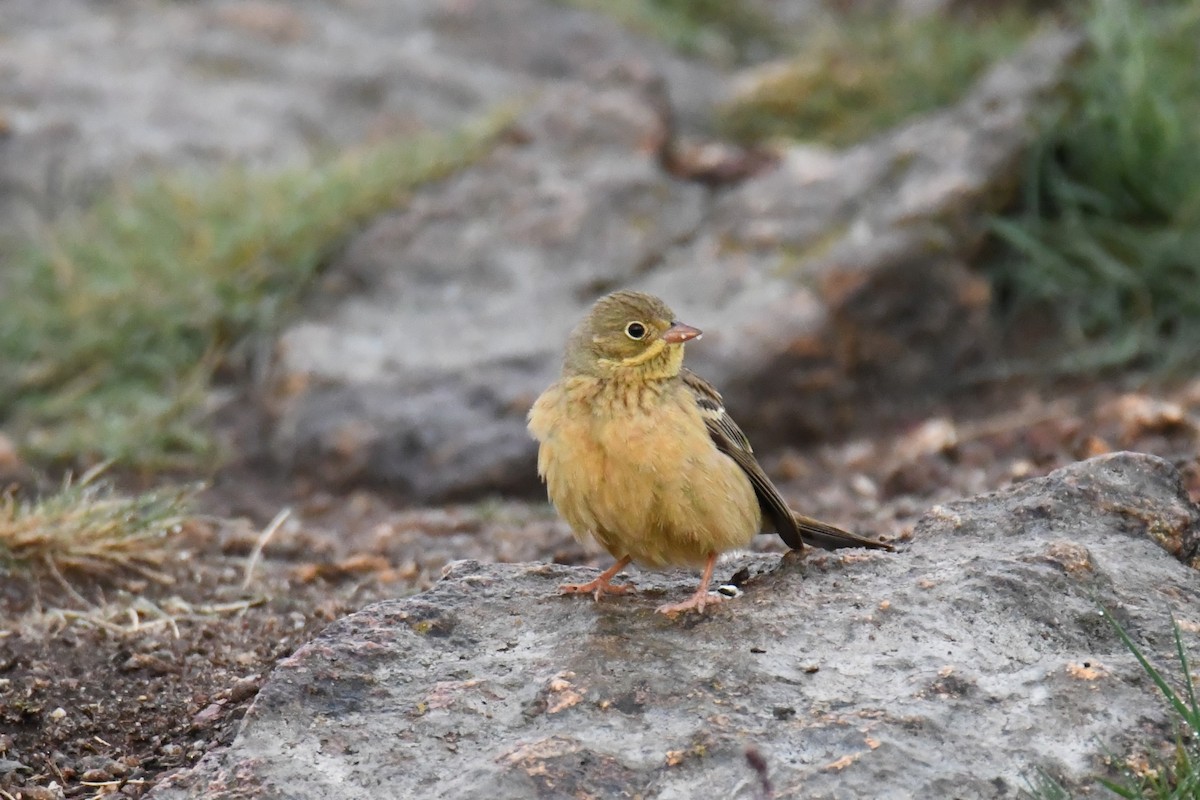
x=635 y=330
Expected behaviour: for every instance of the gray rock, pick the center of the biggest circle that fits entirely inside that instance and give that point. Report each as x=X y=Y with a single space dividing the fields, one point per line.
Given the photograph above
x=422 y=378
x=953 y=668
x=833 y=286
x=89 y=91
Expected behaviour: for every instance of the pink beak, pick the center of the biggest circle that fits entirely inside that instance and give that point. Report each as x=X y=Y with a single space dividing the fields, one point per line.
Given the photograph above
x=679 y=333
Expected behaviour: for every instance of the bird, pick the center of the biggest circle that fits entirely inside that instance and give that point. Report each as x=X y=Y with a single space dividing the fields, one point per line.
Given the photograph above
x=639 y=454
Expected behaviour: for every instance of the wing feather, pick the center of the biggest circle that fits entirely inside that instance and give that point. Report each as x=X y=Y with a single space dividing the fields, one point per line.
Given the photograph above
x=795 y=530
x=731 y=441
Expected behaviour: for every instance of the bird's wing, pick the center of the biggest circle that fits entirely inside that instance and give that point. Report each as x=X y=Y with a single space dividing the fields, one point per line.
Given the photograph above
x=795 y=529
x=730 y=440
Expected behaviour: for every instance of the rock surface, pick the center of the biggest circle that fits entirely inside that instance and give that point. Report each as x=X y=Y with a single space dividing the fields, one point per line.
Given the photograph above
x=89 y=91
x=953 y=668
x=832 y=283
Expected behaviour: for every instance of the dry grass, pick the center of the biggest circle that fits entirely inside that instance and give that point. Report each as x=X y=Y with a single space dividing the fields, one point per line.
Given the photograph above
x=134 y=616
x=89 y=530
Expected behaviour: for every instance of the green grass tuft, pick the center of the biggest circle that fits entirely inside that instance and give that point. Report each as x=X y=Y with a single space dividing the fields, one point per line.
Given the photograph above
x=1108 y=238
x=1178 y=779
x=1174 y=779
x=112 y=331
x=868 y=73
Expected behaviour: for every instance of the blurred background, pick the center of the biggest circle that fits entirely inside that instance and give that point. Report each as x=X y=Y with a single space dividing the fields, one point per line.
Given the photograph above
x=348 y=239
x=312 y=261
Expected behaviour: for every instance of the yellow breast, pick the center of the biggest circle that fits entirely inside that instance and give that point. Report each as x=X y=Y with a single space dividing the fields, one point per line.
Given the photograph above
x=633 y=466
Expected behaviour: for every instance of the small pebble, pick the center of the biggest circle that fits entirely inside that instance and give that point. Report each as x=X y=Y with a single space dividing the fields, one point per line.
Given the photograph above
x=244 y=689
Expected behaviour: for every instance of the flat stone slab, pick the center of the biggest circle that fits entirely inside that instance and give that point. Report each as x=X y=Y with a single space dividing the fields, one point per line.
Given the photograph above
x=953 y=668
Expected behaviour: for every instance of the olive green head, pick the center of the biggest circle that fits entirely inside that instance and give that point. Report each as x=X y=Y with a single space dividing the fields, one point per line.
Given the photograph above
x=625 y=333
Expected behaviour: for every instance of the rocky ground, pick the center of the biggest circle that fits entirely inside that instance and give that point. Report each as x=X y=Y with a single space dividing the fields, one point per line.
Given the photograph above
x=152 y=676
x=380 y=437
x=956 y=668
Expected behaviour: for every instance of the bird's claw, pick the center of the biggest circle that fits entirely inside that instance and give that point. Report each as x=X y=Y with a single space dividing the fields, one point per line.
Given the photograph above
x=596 y=588
x=697 y=602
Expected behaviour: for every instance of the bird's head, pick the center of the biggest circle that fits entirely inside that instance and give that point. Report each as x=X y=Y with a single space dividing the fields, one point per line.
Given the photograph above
x=628 y=333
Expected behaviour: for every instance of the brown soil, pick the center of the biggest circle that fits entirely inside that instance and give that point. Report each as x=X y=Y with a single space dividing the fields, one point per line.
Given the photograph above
x=103 y=698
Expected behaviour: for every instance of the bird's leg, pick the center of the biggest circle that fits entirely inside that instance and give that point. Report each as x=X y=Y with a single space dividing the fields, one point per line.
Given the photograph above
x=602 y=585
x=700 y=598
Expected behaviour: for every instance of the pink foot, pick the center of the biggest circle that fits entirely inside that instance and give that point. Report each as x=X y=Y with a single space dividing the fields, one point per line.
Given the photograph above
x=697 y=602
x=597 y=588
x=700 y=598
x=602 y=585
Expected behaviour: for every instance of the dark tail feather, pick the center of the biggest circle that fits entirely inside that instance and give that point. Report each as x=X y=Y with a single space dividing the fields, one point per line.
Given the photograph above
x=827 y=537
